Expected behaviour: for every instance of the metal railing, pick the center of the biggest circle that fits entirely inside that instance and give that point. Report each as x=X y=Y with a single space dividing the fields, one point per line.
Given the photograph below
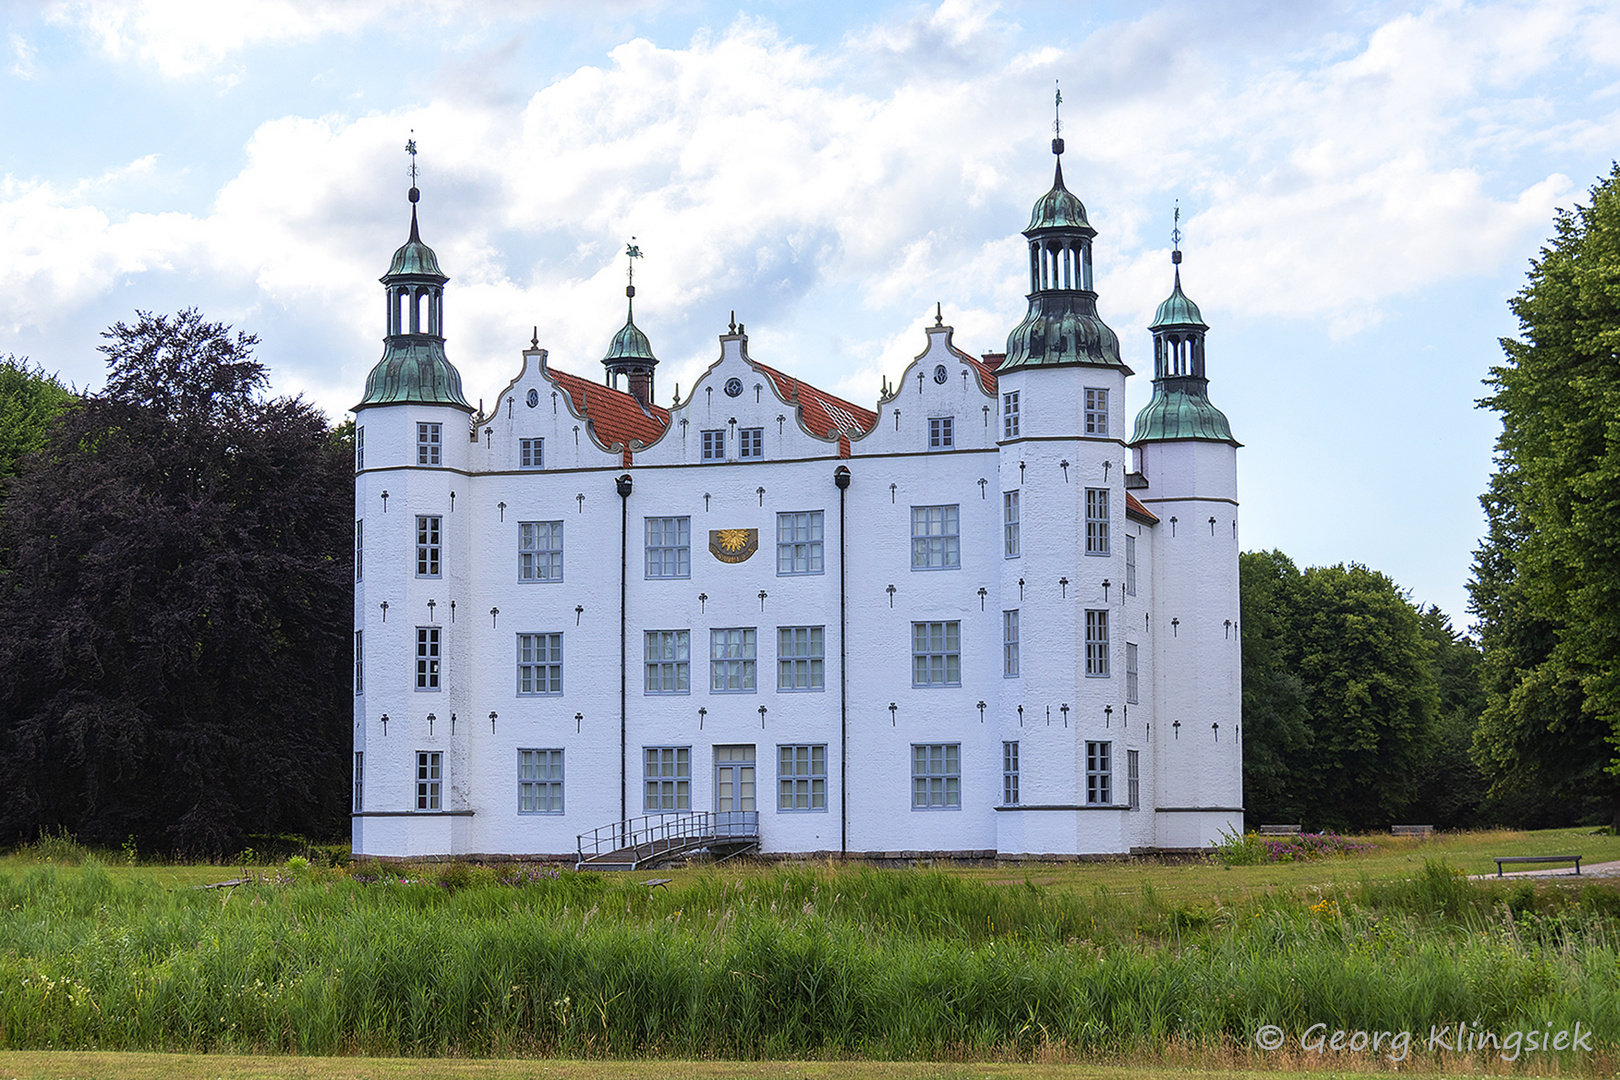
x=654 y=836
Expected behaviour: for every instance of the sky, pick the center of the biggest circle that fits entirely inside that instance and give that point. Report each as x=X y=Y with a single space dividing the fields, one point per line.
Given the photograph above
x=1362 y=187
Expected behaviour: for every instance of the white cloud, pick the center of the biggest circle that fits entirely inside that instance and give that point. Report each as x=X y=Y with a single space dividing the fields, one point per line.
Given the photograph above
x=22 y=64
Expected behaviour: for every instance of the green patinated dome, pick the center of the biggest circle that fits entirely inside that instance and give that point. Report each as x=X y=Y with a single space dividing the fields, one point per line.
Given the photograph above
x=1178 y=310
x=1058 y=208
x=414 y=370
x=415 y=258
x=1062 y=328
x=630 y=344
x=1181 y=409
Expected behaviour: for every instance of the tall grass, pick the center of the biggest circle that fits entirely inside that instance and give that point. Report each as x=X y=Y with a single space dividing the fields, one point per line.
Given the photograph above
x=799 y=963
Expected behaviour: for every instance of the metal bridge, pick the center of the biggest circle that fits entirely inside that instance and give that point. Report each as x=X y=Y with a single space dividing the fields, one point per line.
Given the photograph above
x=644 y=842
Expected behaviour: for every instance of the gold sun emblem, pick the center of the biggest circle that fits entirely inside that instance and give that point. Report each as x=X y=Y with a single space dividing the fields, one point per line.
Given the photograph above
x=733 y=540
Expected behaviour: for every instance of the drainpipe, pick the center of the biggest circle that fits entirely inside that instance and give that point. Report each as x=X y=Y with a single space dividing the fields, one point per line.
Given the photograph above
x=841 y=478
x=625 y=483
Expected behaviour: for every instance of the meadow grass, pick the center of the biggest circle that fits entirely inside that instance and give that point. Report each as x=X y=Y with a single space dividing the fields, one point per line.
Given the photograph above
x=801 y=961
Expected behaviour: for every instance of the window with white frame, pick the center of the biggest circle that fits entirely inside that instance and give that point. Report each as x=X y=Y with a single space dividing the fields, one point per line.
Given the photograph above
x=359 y=662
x=427 y=444
x=936 y=538
x=427 y=545
x=669 y=547
x=429 y=777
x=1130 y=673
x=1096 y=644
x=1009 y=415
x=1099 y=774
x=666 y=778
x=359 y=780
x=800 y=656
x=1130 y=565
x=714 y=445
x=936 y=653
x=936 y=776
x=1096 y=417
x=941 y=432
x=1009 y=525
x=798 y=542
x=1009 y=643
x=1096 y=521
x=1009 y=774
x=540 y=551
x=801 y=777
x=539 y=663
x=427 y=657
x=751 y=443
x=668 y=658
x=531 y=453
x=359 y=448
x=359 y=549
x=1133 y=781
x=540 y=781
x=732 y=654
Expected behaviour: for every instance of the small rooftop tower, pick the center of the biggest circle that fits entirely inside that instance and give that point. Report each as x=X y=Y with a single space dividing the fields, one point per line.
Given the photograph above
x=631 y=353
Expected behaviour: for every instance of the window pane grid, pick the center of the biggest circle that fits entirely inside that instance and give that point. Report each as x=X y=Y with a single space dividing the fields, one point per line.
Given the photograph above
x=540 y=551
x=936 y=776
x=427 y=444
x=667 y=778
x=751 y=442
x=935 y=538
x=540 y=781
x=1097 y=644
x=1009 y=643
x=1096 y=521
x=800 y=657
x=1009 y=774
x=1096 y=411
x=531 y=453
x=1009 y=517
x=427 y=545
x=801 y=777
x=1130 y=565
x=539 y=663
x=941 y=432
x=1009 y=415
x=936 y=654
x=714 y=445
x=799 y=542
x=429 y=776
x=427 y=657
x=669 y=661
x=732 y=653
x=669 y=547
x=1099 y=773
x=1131 y=674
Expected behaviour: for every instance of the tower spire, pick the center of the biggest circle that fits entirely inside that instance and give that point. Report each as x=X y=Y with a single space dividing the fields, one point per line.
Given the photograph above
x=415 y=195
x=630 y=354
x=1057 y=122
x=1175 y=244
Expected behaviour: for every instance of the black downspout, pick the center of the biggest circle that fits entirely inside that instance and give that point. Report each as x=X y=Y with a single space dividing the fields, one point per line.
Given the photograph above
x=624 y=485
x=841 y=478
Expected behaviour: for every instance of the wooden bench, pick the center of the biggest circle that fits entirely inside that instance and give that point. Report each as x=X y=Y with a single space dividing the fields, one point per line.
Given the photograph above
x=1500 y=859
x=657 y=883
x=1280 y=830
x=1411 y=830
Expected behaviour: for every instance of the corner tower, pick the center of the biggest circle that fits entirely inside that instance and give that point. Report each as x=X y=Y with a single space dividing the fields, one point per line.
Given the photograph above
x=1187 y=475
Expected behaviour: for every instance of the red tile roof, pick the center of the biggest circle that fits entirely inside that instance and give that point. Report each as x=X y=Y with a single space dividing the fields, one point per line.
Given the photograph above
x=822 y=412
x=1134 y=507
x=985 y=369
x=614 y=416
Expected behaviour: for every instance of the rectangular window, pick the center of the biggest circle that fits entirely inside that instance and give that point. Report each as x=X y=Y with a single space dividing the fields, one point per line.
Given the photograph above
x=936 y=776
x=359 y=662
x=668 y=656
x=669 y=547
x=714 y=445
x=1009 y=774
x=429 y=775
x=751 y=442
x=1096 y=411
x=1099 y=774
x=539 y=663
x=1009 y=527
x=941 y=432
x=1130 y=673
x=1009 y=415
x=540 y=781
x=800 y=654
x=667 y=778
x=801 y=777
x=427 y=444
x=935 y=538
x=936 y=654
x=427 y=657
x=1009 y=643
x=1133 y=781
x=427 y=545
x=1096 y=521
x=359 y=549
x=359 y=448
x=798 y=542
x=359 y=780
x=1097 y=644
x=531 y=453
x=1130 y=565
x=732 y=652
x=540 y=551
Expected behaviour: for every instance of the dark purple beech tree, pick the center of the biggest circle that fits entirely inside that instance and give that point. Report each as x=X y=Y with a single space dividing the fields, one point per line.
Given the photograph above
x=175 y=605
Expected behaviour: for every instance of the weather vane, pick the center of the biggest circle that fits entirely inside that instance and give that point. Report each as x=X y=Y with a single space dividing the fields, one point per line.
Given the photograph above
x=634 y=253
x=1057 y=112
x=410 y=148
x=1175 y=236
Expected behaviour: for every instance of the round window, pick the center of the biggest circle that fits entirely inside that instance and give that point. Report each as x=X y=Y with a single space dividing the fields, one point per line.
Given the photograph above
x=534 y=397
x=733 y=388
x=940 y=374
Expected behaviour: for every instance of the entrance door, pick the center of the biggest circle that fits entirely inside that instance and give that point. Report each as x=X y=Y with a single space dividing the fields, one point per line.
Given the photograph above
x=733 y=786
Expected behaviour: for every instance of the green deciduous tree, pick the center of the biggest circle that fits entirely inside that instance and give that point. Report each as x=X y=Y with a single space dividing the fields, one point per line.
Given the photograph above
x=1276 y=725
x=30 y=402
x=1546 y=583
x=175 y=624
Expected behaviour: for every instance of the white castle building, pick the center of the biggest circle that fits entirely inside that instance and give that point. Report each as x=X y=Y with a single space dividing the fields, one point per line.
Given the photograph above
x=981 y=619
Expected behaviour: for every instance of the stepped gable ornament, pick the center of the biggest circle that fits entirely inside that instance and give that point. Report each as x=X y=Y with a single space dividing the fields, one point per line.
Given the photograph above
x=733 y=545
